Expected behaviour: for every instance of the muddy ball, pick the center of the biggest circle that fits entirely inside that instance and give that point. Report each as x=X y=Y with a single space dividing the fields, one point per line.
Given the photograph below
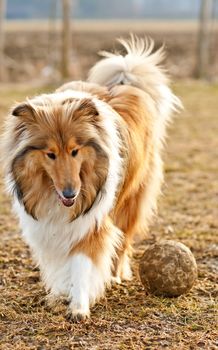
x=168 y=268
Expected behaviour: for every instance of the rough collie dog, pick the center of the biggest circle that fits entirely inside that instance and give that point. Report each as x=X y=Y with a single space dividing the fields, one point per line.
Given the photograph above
x=84 y=167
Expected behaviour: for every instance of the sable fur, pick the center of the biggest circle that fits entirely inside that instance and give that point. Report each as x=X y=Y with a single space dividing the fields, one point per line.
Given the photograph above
x=102 y=139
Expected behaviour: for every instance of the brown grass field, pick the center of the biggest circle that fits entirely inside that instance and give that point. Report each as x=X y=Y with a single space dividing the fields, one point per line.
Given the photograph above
x=127 y=318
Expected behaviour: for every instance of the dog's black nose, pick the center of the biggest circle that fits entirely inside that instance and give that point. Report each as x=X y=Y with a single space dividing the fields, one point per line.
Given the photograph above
x=69 y=193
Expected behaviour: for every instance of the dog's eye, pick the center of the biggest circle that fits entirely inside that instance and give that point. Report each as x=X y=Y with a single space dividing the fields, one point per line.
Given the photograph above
x=51 y=155
x=74 y=152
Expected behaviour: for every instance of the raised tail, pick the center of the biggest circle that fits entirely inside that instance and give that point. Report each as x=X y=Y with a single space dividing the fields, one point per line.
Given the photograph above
x=140 y=68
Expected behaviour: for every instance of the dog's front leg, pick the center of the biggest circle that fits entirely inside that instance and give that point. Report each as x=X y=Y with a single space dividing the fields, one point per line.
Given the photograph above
x=91 y=266
x=82 y=287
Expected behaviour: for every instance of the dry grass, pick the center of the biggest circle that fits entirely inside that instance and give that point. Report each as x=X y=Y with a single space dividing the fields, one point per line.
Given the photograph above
x=127 y=318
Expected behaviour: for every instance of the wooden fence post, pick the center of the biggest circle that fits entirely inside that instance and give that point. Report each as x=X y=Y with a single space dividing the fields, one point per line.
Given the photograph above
x=204 y=38
x=66 y=38
x=2 y=35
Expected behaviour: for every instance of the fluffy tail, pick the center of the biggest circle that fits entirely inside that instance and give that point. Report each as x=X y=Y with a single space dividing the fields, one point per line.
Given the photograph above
x=140 y=68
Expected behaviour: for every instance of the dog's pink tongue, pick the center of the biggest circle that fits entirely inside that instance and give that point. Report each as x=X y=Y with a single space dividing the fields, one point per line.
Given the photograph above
x=68 y=202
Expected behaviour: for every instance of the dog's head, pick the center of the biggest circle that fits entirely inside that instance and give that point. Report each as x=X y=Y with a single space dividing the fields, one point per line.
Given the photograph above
x=59 y=148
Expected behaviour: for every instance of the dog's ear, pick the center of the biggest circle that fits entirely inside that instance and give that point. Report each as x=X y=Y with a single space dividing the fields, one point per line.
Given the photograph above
x=25 y=111
x=87 y=108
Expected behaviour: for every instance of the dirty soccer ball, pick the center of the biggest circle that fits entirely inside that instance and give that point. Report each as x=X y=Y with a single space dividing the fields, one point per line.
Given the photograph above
x=168 y=268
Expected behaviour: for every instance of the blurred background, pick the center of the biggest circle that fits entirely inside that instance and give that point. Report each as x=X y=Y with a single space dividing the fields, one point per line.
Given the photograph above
x=52 y=40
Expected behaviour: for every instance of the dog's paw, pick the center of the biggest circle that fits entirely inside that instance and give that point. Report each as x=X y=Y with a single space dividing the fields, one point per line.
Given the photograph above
x=127 y=275
x=78 y=312
x=124 y=270
x=77 y=316
x=116 y=280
